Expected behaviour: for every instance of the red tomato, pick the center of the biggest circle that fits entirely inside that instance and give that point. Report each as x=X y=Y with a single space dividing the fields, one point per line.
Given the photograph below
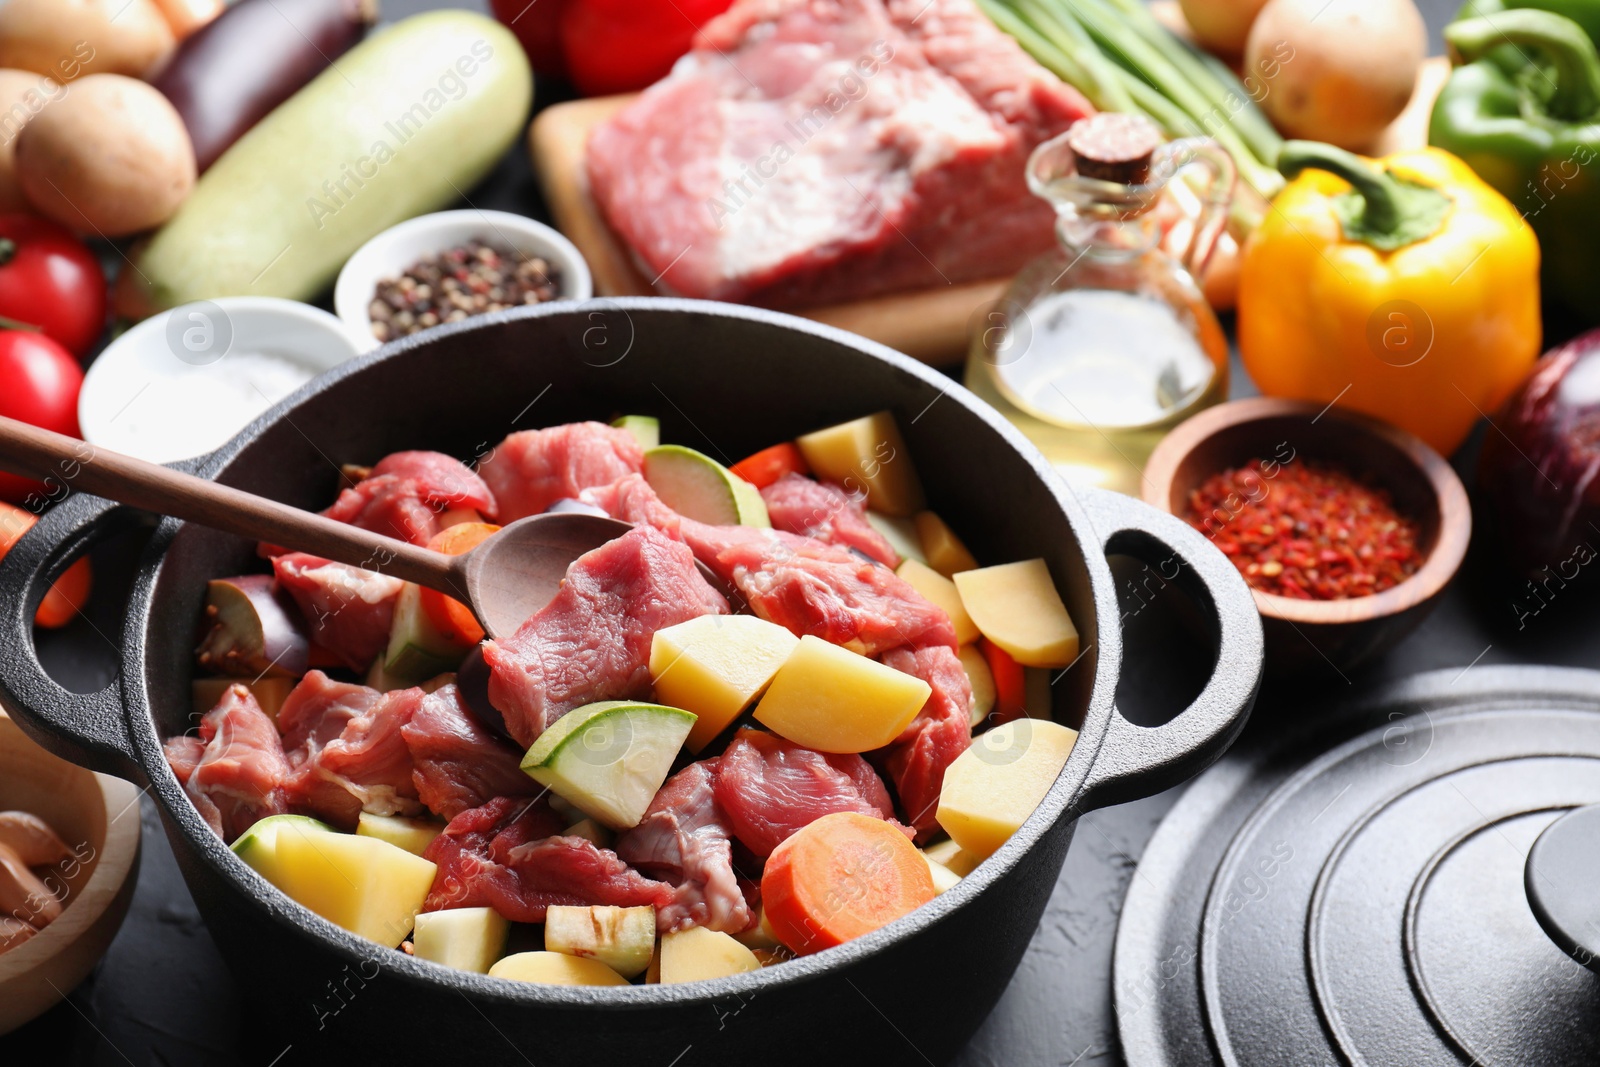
x=619 y=46
x=537 y=24
x=39 y=383
x=50 y=280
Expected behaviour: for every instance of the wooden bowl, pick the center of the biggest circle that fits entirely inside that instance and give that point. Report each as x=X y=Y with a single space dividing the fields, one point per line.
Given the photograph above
x=1308 y=634
x=98 y=817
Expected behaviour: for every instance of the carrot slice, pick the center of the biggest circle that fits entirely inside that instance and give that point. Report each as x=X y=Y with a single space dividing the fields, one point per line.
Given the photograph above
x=68 y=593
x=451 y=617
x=1010 y=683
x=842 y=876
x=770 y=464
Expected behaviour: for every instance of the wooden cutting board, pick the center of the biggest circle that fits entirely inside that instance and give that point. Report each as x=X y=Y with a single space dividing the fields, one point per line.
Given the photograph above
x=931 y=325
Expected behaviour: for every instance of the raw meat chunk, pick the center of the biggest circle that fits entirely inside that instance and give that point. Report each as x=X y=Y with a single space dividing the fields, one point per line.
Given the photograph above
x=770 y=788
x=405 y=493
x=685 y=839
x=346 y=751
x=348 y=610
x=530 y=470
x=592 y=642
x=239 y=776
x=808 y=151
x=796 y=582
x=941 y=731
x=508 y=855
x=798 y=505
x=459 y=765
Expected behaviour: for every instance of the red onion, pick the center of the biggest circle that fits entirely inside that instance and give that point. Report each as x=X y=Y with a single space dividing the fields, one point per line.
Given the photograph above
x=1541 y=472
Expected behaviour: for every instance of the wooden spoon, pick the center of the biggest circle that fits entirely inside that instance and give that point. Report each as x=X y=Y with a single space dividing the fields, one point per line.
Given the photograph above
x=504 y=580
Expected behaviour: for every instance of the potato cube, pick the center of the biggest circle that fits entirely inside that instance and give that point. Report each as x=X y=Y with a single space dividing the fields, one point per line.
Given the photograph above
x=715 y=666
x=413 y=835
x=833 y=700
x=468 y=939
x=943 y=877
x=948 y=854
x=1017 y=607
x=984 y=693
x=942 y=593
x=555 y=968
x=944 y=550
x=992 y=787
x=369 y=887
x=867 y=455
x=698 y=953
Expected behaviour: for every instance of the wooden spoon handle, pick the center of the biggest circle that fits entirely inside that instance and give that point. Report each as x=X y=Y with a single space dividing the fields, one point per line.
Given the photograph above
x=38 y=453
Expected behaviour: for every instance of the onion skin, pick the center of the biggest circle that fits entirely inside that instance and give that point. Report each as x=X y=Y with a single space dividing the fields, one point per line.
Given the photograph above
x=1540 y=474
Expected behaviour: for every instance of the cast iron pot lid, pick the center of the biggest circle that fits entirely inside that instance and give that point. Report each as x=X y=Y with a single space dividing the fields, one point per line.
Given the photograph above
x=1356 y=894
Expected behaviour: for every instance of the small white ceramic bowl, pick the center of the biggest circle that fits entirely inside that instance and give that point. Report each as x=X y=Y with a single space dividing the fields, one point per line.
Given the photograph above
x=182 y=382
x=399 y=247
x=97 y=816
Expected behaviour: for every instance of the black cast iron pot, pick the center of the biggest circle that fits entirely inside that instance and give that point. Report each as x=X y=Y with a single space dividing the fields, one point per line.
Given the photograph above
x=727 y=380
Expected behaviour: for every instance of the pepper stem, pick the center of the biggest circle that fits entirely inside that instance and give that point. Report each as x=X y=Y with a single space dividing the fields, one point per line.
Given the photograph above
x=1380 y=210
x=1576 y=66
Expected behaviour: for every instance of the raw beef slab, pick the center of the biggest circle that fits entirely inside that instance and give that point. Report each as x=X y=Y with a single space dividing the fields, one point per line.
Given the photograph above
x=813 y=151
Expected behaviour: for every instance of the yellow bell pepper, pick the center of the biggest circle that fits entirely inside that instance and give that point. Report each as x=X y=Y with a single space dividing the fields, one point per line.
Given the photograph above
x=1408 y=290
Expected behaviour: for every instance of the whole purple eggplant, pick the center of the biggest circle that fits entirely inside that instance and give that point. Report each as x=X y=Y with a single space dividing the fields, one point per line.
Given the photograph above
x=1541 y=470
x=255 y=55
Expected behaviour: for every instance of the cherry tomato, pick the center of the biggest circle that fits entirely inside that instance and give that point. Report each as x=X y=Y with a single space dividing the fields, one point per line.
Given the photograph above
x=50 y=280
x=537 y=24
x=67 y=595
x=39 y=383
x=619 y=46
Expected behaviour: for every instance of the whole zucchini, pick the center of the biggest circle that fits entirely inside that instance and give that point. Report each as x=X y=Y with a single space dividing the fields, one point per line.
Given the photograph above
x=404 y=123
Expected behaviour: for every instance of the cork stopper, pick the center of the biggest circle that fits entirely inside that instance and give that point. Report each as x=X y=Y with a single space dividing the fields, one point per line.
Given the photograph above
x=1115 y=147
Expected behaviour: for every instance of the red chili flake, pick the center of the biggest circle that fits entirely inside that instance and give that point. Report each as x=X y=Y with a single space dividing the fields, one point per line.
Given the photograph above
x=1306 y=530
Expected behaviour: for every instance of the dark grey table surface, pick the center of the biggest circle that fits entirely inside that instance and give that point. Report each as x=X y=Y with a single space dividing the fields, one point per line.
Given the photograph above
x=163 y=996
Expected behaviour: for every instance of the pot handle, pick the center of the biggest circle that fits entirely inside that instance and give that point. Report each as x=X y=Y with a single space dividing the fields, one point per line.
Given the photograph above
x=88 y=729
x=1139 y=761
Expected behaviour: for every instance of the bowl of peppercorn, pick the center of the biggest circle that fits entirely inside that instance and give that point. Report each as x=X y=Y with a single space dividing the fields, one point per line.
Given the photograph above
x=1346 y=529
x=453 y=265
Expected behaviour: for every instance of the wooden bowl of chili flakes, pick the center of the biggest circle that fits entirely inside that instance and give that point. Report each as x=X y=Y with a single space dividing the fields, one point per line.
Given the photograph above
x=1346 y=529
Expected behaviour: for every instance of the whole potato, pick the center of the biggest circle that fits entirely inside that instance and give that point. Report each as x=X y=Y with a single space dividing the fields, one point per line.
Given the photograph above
x=111 y=157
x=23 y=94
x=1336 y=72
x=1221 y=26
x=67 y=39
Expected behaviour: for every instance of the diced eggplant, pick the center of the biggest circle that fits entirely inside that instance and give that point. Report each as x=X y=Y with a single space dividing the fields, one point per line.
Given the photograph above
x=253 y=629
x=229 y=74
x=270 y=693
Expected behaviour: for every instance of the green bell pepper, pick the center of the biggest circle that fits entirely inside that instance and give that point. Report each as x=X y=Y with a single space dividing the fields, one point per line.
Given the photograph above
x=1522 y=108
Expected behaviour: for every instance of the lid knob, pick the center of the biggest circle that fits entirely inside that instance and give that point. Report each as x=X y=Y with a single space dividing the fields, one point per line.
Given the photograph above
x=1563 y=884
